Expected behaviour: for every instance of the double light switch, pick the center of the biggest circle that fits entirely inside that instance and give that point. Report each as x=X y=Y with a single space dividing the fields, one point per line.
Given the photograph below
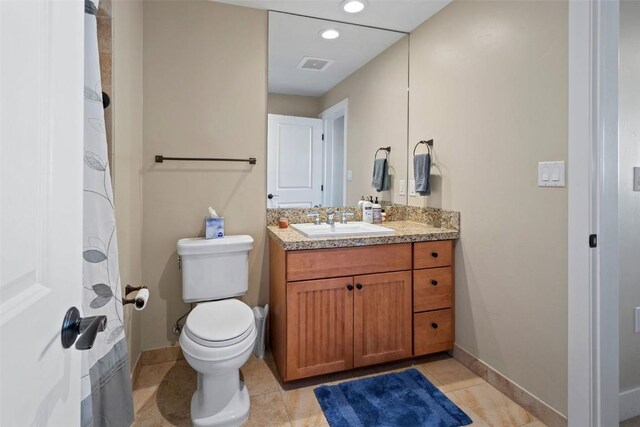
x=551 y=174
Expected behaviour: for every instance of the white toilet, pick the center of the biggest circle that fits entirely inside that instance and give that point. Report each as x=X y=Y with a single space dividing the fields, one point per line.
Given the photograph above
x=218 y=336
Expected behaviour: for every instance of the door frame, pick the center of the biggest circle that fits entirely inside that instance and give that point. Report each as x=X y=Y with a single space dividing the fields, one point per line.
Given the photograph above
x=341 y=109
x=593 y=362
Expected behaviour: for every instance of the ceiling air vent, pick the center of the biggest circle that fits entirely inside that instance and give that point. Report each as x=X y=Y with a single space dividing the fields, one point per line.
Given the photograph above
x=315 y=64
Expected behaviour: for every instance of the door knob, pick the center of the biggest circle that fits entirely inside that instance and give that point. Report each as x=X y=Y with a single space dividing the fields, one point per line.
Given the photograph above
x=434 y=254
x=350 y=287
x=359 y=286
x=434 y=282
x=434 y=325
x=271 y=196
x=87 y=327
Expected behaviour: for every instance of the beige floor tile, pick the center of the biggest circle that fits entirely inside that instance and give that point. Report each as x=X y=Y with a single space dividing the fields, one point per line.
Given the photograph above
x=477 y=420
x=258 y=377
x=303 y=408
x=268 y=410
x=536 y=423
x=151 y=375
x=451 y=374
x=493 y=407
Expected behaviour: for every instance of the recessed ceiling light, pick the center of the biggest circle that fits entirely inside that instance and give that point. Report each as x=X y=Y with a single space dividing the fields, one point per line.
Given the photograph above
x=353 y=6
x=330 y=34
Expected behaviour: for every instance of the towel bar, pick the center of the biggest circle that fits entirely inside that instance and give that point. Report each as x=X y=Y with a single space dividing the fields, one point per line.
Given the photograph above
x=160 y=159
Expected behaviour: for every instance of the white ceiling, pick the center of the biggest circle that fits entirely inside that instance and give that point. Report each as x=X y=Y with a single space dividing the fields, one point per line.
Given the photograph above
x=293 y=37
x=399 y=15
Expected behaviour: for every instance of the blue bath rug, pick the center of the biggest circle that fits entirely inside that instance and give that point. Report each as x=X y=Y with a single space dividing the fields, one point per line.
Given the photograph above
x=404 y=399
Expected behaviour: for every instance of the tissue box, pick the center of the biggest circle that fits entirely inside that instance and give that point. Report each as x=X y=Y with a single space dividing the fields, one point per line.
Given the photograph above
x=214 y=228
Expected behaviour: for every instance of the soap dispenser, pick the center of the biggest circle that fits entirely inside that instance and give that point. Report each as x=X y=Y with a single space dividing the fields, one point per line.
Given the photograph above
x=376 y=209
x=367 y=212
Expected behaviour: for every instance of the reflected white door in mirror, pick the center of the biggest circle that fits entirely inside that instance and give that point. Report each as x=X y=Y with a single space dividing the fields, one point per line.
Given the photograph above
x=294 y=162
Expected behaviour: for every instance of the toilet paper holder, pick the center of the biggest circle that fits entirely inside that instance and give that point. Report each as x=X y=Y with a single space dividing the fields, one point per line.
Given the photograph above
x=127 y=290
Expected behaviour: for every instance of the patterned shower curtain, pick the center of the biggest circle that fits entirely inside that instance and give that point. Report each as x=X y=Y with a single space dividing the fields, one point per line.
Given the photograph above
x=106 y=383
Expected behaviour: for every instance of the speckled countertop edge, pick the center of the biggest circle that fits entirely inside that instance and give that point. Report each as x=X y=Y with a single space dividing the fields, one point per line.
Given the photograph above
x=406 y=231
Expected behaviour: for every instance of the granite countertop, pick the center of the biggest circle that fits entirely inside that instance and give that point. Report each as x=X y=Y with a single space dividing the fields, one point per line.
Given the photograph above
x=406 y=231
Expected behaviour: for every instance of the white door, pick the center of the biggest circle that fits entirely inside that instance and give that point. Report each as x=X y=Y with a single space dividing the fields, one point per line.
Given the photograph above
x=294 y=163
x=41 y=109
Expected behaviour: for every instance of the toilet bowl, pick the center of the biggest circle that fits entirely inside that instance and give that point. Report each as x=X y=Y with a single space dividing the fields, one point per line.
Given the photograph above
x=220 y=332
x=217 y=340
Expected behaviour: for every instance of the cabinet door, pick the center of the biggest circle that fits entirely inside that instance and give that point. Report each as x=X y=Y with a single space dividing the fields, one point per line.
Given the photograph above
x=382 y=318
x=319 y=327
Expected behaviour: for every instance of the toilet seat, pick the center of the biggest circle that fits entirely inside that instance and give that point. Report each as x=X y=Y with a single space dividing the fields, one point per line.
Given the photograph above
x=220 y=323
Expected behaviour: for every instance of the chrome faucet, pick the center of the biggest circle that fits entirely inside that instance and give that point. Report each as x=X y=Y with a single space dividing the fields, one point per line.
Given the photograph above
x=345 y=214
x=331 y=214
x=316 y=220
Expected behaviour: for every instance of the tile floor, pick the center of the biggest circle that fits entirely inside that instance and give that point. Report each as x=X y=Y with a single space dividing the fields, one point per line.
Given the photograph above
x=162 y=394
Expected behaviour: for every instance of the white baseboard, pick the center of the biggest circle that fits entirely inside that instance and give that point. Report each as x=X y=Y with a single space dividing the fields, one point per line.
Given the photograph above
x=629 y=404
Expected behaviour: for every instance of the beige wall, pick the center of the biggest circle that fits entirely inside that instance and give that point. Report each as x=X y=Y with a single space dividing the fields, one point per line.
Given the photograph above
x=205 y=90
x=489 y=85
x=629 y=201
x=293 y=105
x=377 y=117
x=127 y=80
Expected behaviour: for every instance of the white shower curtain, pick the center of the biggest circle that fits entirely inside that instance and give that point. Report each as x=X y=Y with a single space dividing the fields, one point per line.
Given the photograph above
x=106 y=384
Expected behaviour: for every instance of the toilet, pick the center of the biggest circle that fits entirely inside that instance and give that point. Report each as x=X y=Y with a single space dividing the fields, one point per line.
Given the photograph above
x=219 y=333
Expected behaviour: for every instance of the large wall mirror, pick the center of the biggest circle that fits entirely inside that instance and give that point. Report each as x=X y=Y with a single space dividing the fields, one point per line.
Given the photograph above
x=337 y=101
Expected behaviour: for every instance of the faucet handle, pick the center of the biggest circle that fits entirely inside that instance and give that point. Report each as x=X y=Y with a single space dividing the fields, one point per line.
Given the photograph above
x=316 y=215
x=345 y=214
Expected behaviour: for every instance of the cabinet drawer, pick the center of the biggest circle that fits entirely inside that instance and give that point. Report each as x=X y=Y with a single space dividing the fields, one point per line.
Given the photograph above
x=432 y=289
x=432 y=331
x=433 y=254
x=340 y=262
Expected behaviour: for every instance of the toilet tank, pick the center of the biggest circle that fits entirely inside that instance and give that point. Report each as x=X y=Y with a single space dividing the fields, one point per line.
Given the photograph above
x=214 y=268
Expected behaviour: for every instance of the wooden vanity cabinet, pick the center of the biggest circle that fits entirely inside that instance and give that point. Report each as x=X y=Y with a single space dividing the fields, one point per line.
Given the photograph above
x=433 y=297
x=381 y=318
x=335 y=309
x=319 y=335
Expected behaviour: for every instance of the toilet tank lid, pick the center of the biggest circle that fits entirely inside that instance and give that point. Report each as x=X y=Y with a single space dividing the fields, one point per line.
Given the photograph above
x=200 y=245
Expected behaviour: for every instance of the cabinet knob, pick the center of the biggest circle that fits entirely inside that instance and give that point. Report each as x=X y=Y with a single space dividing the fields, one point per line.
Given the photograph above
x=434 y=325
x=434 y=282
x=359 y=286
x=434 y=254
x=350 y=287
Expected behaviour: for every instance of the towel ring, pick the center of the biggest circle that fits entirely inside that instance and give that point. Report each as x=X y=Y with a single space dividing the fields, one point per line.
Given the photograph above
x=386 y=150
x=428 y=143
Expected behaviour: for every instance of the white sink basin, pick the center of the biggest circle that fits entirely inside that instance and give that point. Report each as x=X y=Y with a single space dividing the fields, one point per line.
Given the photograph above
x=355 y=228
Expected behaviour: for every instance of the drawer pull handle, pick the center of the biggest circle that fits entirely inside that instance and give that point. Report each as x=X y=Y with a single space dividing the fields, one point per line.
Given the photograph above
x=434 y=282
x=434 y=325
x=350 y=287
x=434 y=254
x=359 y=286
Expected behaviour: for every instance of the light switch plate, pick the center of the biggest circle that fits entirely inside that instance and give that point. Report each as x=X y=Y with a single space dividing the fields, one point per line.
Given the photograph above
x=349 y=175
x=412 y=187
x=403 y=187
x=551 y=174
x=637 y=320
x=636 y=179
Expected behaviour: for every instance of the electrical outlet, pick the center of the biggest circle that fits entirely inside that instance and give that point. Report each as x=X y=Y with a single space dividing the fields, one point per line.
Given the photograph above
x=412 y=187
x=403 y=187
x=636 y=179
x=349 y=175
x=637 y=320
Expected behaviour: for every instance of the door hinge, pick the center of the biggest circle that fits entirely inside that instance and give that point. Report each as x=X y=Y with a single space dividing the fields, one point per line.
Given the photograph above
x=323 y=136
x=322 y=187
x=593 y=241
